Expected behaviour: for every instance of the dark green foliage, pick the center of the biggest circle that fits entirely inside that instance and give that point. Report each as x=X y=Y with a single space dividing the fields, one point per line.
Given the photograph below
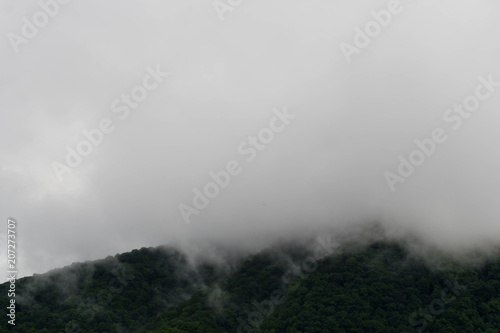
x=117 y=294
x=379 y=288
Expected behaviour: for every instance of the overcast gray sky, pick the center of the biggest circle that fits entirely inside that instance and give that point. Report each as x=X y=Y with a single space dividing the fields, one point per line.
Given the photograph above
x=233 y=66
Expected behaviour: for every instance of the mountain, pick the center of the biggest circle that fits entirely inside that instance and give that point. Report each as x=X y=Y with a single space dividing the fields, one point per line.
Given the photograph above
x=377 y=287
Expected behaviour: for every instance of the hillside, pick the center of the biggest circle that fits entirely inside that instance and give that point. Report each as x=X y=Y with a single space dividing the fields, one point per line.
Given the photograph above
x=373 y=288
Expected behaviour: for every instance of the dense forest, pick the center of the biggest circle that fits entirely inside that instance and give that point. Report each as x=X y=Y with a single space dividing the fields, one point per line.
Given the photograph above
x=379 y=287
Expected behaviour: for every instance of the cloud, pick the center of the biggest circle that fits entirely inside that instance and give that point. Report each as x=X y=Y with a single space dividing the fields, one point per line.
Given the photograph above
x=327 y=168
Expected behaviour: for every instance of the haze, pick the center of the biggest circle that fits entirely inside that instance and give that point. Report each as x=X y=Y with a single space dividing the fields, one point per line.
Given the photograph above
x=351 y=122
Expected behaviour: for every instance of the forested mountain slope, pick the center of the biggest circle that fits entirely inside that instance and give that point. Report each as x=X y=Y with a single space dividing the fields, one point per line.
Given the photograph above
x=372 y=288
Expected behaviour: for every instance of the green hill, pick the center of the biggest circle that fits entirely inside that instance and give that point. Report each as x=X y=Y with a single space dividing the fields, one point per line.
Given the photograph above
x=374 y=288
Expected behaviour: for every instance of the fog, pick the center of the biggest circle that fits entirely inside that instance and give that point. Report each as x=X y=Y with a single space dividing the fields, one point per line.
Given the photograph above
x=308 y=131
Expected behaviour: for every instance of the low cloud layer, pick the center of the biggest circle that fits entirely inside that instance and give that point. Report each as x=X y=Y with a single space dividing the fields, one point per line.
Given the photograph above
x=354 y=112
